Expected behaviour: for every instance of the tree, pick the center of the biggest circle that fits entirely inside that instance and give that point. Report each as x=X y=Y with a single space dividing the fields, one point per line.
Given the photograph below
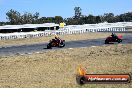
x=77 y=12
x=58 y=19
x=27 y=18
x=49 y=20
x=129 y=16
x=14 y=17
x=91 y=19
x=42 y=20
x=109 y=17
x=97 y=19
x=2 y=23
x=35 y=18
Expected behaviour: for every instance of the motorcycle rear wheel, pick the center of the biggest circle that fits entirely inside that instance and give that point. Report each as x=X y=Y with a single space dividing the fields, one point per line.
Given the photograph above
x=49 y=46
x=106 y=42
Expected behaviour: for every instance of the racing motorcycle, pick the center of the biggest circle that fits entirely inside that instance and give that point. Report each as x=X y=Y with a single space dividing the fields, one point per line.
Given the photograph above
x=56 y=43
x=113 y=39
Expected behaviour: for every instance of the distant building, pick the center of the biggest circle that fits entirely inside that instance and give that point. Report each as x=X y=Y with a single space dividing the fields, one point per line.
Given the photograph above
x=28 y=27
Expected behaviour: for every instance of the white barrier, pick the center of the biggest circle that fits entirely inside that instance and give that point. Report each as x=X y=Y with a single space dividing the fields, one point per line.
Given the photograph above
x=59 y=32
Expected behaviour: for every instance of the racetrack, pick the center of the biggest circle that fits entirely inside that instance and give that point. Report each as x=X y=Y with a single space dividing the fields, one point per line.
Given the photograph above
x=27 y=49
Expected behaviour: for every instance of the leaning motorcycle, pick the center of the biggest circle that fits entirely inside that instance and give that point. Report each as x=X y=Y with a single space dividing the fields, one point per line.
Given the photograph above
x=113 y=39
x=54 y=43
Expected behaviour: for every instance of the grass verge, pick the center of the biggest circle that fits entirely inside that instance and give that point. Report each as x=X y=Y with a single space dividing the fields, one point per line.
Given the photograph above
x=57 y=69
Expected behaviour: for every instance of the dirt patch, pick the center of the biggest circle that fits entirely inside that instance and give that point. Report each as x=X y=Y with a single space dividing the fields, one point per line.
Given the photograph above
x=57 y=69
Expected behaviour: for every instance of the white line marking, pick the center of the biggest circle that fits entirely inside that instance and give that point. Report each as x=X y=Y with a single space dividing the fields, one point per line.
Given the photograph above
x=93 y=46
x=70 y=48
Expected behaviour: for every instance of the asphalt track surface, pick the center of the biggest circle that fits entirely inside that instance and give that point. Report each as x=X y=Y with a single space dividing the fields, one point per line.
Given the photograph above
x=28 y=49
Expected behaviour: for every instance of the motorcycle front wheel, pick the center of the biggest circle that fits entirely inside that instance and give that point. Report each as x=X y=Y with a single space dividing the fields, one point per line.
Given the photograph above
x=119 y=40
x=61 y=45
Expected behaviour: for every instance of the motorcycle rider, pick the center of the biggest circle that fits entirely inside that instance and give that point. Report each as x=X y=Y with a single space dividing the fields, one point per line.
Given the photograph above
x=57 y=39
x=114 y=35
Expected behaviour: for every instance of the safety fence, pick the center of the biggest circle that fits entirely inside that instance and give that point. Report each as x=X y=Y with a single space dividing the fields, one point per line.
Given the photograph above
x=58 y=32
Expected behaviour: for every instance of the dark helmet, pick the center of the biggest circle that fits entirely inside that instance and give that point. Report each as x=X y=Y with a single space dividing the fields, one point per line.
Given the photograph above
x=56 y=38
